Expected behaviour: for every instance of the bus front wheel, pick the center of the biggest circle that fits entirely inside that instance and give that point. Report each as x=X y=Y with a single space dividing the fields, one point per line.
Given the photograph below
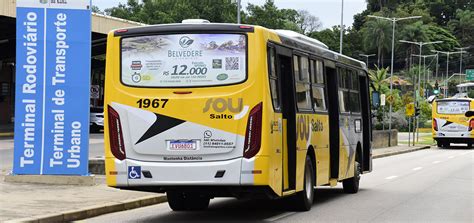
x=181 y=201
x=351 y=185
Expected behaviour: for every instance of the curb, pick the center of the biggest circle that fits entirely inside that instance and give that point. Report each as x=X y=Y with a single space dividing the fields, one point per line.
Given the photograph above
x=400 y=152
x=52 y=179
x=93 y=211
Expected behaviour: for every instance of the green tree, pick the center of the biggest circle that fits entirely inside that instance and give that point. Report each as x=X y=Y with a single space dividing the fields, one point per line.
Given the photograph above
x=445 y=10
x=463 y=25
x=330 y=37
x=96 y=9
x=127 y=11
x=307 y=22
x=174 y=11
x=470 y=93
x=437 y=33
x=271 y=17
x=377 y=35
x=377 y=78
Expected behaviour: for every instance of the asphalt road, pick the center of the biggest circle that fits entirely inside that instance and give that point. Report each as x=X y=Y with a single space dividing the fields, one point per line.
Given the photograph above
x=96 y=149
x=424 y=186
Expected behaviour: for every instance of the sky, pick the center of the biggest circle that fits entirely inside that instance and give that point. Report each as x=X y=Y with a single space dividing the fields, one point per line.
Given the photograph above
x=328 y=11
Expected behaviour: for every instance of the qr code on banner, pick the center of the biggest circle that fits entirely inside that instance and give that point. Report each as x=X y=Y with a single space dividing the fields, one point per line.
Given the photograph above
x=232 y=63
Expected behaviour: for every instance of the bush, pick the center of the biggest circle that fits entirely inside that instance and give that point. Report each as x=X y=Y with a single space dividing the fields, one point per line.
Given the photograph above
x=399 y=121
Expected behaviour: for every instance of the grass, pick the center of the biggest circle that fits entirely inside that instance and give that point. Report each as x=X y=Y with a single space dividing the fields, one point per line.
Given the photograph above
x=422 y=140
x=425 y=130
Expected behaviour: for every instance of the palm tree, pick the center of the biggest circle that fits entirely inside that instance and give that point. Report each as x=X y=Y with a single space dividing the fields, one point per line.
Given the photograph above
x=377 y=78
x=377 y=36
x=414 y=32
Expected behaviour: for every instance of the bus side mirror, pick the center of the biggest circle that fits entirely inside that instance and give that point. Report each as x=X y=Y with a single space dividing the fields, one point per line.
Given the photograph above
x=469 y=114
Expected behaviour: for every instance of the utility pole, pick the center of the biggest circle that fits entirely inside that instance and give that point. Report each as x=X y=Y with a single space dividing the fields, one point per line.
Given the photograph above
x=425 y=75
x=394 y=21
x=238 y=11
x=447 y=68
x=342 y=27
x=437 y=64
x=461 y=50
x=420 y=44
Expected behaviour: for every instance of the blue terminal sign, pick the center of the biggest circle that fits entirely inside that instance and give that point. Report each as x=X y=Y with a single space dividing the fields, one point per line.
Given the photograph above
x=53 y=52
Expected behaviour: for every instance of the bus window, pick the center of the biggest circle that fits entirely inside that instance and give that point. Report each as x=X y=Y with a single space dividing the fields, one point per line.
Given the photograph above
x=274 y=87
x=317 y=85
x=318 y=72
x=354 y=93
x=344 y=85
x=341 y=77
x=347 y=79
x=355 y=81
x=302 y=83
x=453 y=107
x=296 y=66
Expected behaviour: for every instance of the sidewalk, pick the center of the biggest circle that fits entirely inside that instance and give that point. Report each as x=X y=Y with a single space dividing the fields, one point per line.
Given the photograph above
x=46 y=203
x=56 y=203
x=395 y=150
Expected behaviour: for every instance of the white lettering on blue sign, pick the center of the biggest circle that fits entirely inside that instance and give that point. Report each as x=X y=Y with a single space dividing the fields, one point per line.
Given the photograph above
x=29 y=87
x=53 y=78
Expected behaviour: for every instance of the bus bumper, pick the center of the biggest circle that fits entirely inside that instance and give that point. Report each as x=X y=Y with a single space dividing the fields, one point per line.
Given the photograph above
x=227 y=172
x=454 y=139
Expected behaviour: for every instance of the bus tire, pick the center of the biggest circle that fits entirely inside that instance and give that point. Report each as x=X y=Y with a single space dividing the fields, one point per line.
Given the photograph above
x=469 y=145
x=351 y=185
x=303 y=200
x=180 y=201
x=439 y=144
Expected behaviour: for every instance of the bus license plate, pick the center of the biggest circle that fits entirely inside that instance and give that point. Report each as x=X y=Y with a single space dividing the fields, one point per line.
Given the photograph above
x=181 y=145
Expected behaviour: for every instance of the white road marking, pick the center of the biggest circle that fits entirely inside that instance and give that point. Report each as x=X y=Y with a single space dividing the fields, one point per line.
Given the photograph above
x=450 y=157
x=391 y=177
x=437 y=161
x=418 y=168
x=280 y=216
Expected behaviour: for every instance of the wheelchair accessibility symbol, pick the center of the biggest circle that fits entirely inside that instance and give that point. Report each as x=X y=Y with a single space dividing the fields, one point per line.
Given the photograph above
x=134 y=172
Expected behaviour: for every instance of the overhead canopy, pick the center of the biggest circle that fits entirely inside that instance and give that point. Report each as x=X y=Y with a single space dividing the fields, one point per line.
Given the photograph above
x=101 y=25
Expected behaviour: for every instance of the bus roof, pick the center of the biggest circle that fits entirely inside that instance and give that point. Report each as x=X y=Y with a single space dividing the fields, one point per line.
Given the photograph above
x=454 y=99
x=470 y=84
x=288 y=38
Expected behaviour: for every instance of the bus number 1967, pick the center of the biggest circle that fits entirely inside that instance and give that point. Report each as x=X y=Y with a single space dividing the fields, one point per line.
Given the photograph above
x=154 y=103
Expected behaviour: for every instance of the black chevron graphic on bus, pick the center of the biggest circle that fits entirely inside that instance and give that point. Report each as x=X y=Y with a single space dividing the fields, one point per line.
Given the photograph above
x=447 y=123
x=161 y=124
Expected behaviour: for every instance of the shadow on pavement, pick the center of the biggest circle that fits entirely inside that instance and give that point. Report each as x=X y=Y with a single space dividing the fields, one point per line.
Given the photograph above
x=456 y=147
x=246 y=210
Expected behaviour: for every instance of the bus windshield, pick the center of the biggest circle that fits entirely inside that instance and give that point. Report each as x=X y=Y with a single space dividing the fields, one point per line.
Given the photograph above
x=184 y=60
x=453 y=107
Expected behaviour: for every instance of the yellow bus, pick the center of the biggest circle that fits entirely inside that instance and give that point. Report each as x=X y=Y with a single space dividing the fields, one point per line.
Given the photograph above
x=224 y=110
x=450 y=125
